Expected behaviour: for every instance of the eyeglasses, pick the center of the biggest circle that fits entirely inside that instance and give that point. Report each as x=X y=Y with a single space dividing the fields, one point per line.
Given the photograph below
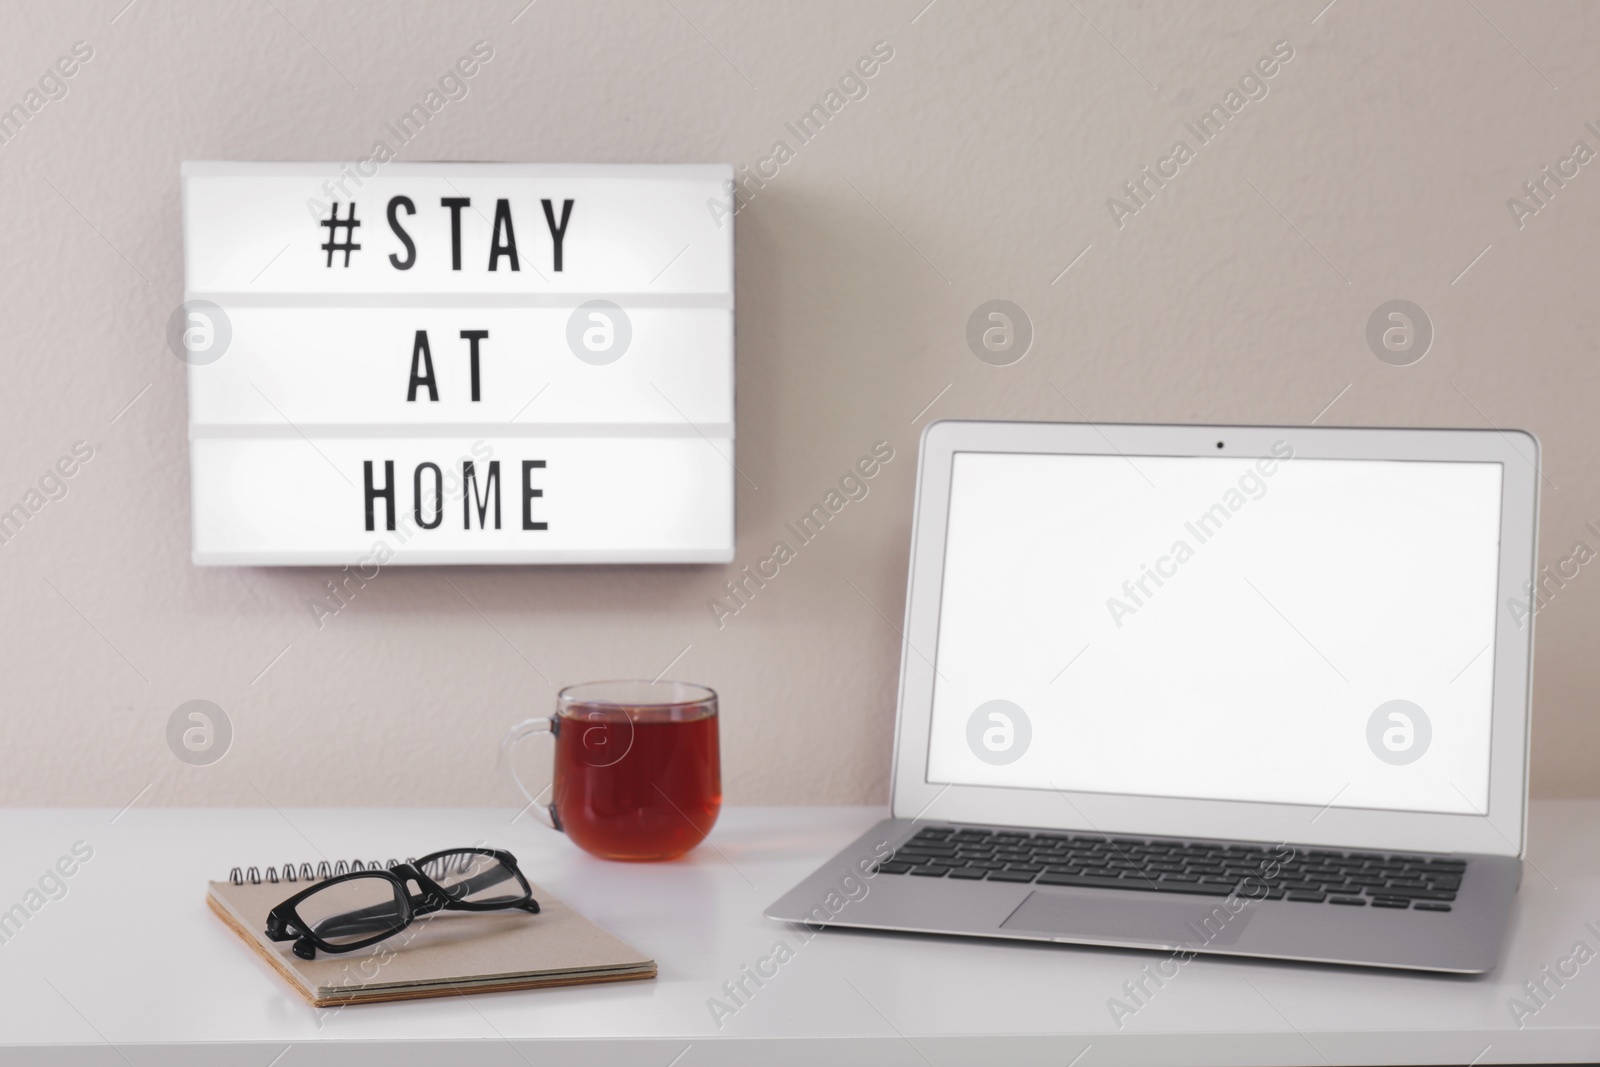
x=351 y=911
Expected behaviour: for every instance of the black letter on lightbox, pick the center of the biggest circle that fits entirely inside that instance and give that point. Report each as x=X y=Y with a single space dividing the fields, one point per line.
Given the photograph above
x=469 y=494
x=528 y=493
x=400 y=231
x=422 y=369
x=455 y=204
x=472 y=337
x=387 y=492
x=558 y=234
x=438 y=496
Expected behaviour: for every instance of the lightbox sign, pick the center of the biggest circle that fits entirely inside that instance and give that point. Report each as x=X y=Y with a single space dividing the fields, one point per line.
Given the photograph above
x=458 y=363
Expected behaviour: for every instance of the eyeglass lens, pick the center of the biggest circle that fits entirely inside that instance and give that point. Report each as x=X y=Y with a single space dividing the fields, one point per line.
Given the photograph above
x=355 y=909
x=474 y=878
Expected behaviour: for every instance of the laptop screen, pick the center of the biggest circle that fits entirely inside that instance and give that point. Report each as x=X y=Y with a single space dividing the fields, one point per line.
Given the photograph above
x=1270 y=629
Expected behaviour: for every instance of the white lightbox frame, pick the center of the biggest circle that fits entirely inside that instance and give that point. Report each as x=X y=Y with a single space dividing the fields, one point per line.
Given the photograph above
x=635 y=455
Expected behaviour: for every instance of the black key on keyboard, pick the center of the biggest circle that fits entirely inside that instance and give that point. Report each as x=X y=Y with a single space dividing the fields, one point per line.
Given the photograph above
x=1198 y=889
x=1414 y=894
x=1100 y=882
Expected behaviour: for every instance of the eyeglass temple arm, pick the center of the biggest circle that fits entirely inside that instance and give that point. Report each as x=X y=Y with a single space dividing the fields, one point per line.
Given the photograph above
x=377 y=916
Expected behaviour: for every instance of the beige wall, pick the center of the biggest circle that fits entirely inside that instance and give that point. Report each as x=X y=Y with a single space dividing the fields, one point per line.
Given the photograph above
x=977 y=166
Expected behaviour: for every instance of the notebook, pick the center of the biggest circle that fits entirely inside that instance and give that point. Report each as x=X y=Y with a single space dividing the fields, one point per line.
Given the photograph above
x=439 y=955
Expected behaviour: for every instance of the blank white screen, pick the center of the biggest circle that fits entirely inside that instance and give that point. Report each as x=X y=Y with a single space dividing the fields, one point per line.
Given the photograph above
x=1314 y=594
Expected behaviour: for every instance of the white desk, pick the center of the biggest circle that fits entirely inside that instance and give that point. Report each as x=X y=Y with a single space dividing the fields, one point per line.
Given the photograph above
x=130 y=968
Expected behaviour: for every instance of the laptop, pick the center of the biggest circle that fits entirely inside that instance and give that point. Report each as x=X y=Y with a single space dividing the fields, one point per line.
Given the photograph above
x=1251 y=691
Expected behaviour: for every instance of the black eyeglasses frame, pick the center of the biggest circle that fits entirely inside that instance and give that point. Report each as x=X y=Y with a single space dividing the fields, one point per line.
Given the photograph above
x=284 y=922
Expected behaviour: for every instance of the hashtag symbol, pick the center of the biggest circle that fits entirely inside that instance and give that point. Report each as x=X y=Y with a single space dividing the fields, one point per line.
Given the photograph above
x=334 y=223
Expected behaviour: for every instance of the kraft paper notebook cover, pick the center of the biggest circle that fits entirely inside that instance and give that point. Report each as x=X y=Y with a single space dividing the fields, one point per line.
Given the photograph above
x=439 y=955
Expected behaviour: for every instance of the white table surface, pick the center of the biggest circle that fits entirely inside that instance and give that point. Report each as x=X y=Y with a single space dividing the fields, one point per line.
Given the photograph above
x=129 y=967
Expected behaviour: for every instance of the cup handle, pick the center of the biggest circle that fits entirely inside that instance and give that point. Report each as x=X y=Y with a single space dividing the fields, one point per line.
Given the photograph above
x=544 y=813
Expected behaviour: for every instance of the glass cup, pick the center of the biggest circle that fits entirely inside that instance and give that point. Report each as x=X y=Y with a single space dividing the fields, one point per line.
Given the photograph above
x=638 y=772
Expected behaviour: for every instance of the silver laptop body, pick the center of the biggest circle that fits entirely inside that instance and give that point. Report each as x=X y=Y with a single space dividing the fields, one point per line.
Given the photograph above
x=1258 y=691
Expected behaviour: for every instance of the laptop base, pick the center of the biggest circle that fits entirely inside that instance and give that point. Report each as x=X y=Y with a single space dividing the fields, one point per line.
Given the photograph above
x=852 y=890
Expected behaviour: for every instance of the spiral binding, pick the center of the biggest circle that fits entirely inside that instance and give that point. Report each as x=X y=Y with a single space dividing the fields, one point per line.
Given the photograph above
x=304 y=872
x=325 y=870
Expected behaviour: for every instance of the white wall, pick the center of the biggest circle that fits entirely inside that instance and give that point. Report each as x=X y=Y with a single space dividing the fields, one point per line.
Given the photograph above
x=978 y=166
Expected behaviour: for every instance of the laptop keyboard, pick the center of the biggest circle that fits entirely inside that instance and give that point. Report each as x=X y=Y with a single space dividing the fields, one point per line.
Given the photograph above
x=1158 y=865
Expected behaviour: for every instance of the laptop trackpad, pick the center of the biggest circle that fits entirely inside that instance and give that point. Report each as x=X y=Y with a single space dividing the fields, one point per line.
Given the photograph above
x=1147 y=919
